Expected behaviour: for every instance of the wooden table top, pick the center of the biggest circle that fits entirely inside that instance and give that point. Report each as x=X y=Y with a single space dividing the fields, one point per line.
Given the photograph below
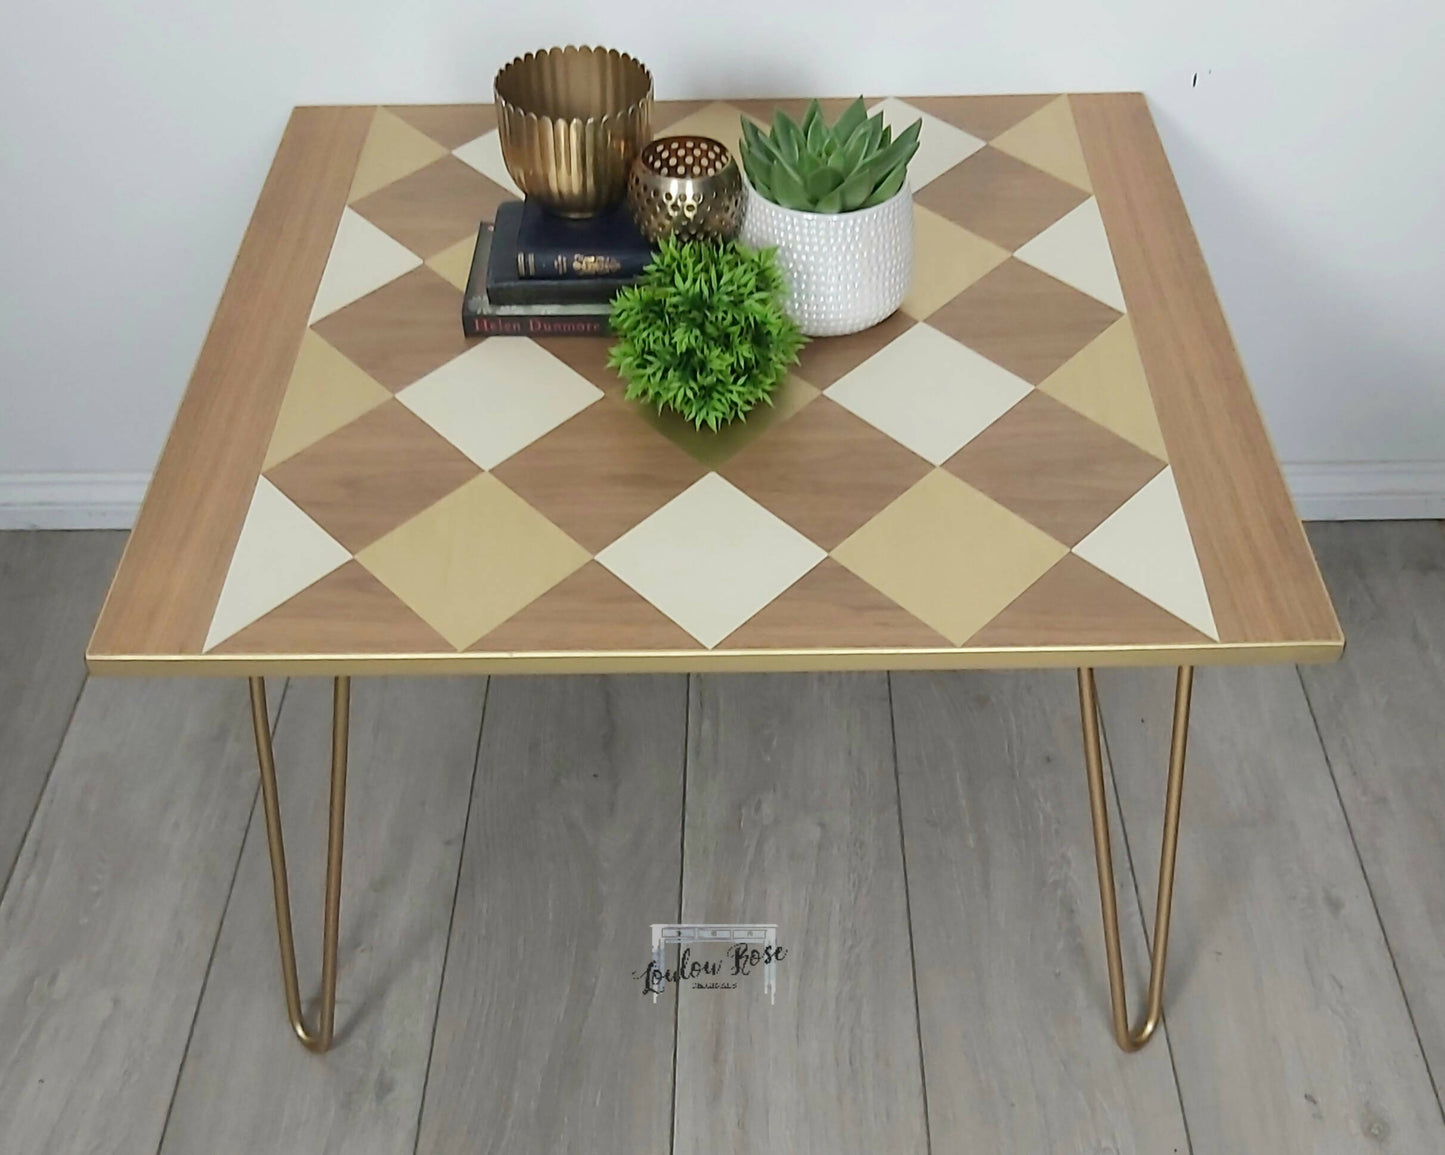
x=1049 y=456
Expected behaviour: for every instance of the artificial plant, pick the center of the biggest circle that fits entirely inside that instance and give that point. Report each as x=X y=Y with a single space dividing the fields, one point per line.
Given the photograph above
x=854 y=164
x=703 y=332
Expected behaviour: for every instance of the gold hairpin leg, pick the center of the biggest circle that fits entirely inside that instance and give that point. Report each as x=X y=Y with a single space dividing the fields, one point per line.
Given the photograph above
x=319 y=1039
x=1132 y=1040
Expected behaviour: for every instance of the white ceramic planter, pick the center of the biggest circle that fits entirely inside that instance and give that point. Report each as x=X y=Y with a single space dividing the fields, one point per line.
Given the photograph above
x=845 y=271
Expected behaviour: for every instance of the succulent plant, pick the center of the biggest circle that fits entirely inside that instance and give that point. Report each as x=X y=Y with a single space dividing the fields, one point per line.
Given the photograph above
x=855 y=164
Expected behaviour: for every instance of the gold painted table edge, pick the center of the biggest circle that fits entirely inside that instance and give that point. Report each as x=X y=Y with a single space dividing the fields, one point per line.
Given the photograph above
x=442 y=664
x=175 y=560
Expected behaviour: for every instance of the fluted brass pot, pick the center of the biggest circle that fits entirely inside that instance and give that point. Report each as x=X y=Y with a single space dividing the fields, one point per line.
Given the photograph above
x=571 y=120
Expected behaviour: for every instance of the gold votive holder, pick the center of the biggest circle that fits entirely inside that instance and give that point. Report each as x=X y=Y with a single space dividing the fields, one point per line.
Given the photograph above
x=688 y=187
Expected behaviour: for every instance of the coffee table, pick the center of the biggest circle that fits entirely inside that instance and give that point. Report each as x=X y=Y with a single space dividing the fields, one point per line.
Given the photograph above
x=1049 y=456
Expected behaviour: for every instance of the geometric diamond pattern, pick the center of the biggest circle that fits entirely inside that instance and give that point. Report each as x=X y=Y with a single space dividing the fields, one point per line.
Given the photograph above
x=947 y=258
x=825 y=472
x=929 y=393
x=497 y=398
x=377 y=621
x=472 y=560
x=362 y=258
x=921 y=548
x=326 y=391
x=599 y=473
x=983 y=116
x=1075 y=249
x=1001 y=199
x=450 y=125
x=393 y=149
x=408 y=468
x=831 y=600
x=1105 y=382
x=1076 y=601
x=1146 y=545
x=1047 y=140
x=940 y=145
x=1052 y=467
x=280 y=552
x=983 y=468
x=401 y=330
x=434 y=207
x=590 y=603
x=711 y=558
x=1024 y=320
x=823 y=362
x=485 y=155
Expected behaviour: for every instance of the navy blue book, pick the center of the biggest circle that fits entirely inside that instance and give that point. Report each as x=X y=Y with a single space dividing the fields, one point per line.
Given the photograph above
x=607 y=245
x=482 y=317
x=506 y=287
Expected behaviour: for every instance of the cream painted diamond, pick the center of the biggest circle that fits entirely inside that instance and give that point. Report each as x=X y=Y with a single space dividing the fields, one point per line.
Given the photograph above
x=928 y=392
x=498 y=397
x=485 y=155
x=940 y=144
x=711 y=558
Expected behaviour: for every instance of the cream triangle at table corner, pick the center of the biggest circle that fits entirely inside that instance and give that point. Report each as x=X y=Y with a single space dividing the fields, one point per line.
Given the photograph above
x=1075 y=249
x=362 y=259
x=281 y=550
x=1146 y=544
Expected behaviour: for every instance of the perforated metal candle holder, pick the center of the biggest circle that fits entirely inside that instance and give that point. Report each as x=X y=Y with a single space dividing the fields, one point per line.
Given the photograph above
x=688 y=187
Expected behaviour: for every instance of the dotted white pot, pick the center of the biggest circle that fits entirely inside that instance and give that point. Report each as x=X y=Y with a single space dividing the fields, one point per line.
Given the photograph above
x=845 y=271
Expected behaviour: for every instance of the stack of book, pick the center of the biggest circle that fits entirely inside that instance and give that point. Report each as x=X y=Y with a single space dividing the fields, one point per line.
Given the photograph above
x=537 y=275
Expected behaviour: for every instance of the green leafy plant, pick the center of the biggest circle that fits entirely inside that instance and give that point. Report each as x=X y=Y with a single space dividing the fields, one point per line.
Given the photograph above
x=703 y=332
x=855 y=164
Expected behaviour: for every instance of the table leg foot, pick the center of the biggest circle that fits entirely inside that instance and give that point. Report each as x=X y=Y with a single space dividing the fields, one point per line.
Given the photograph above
x=1131 y=1039
x=318 y=1039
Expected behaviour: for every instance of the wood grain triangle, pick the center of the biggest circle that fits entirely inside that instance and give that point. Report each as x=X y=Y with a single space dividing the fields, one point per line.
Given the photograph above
x=450 y=125
x=347 y=611
x=587 y=611
x=983 y=116
x=1075 y=604
x=831 y=602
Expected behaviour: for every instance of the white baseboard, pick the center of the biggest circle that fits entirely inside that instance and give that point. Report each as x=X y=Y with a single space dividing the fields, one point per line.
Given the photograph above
x=1323 y=491
x=70 y=500
x=1367 y=490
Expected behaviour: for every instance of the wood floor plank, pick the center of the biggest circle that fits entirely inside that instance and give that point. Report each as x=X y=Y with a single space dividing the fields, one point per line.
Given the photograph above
x=792 y=818
x=1013 y=992
x=246 y=1085
x=113 y=909
x=51 y=585
x=1288 y=1027
x=544 y=1042
x=1381 y=712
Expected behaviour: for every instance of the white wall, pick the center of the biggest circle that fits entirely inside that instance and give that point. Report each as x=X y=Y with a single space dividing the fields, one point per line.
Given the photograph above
x=1311 y=152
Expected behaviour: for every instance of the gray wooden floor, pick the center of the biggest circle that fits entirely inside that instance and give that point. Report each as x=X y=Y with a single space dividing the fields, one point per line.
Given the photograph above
x=922 y=841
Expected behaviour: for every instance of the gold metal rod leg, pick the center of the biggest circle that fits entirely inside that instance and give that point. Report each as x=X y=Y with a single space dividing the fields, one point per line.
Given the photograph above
x=1132 y=1040
x=319 y=1039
